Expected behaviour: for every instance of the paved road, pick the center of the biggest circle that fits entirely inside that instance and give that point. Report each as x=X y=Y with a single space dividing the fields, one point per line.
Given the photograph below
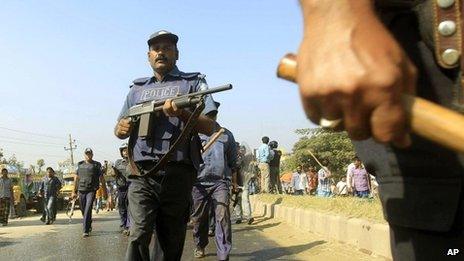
x=29 y=239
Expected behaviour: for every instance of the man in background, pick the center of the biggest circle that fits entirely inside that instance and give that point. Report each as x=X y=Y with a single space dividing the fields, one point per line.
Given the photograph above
x=49 y=189
x=263 y=157
x=6 y=197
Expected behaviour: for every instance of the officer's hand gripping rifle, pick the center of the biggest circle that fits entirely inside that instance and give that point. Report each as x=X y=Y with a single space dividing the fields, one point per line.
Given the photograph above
x=142 y=113
x=426 y=119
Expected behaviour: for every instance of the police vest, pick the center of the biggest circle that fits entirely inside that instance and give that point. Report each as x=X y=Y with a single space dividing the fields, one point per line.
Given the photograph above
x=164 y=130
x=89 y=174
x=122 y=166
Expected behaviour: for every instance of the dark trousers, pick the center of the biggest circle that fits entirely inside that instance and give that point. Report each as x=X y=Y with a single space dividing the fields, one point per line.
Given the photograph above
x=206 y=198
x=160 y=205
x=212 y=220
x=276 y=185
x=122 y=208
x=85 y=204
x=4 y=210
x=49 y=208
x=414 y=244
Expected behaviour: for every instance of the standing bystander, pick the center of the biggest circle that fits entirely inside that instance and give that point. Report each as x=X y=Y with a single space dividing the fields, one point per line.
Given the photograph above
x=274 y=168
x=6 y=196
x=361 y=180
x=323 y=180
x=264 y=157
x=299 y=183
x=49 y=189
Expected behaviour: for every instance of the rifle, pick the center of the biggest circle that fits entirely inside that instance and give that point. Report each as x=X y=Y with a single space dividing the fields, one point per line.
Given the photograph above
x=427 y=119
x=141 y=112
x=70 y=208
x=144 y=112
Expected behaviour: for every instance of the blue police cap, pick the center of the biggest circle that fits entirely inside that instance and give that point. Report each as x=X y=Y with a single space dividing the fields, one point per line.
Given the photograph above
x=162 y=34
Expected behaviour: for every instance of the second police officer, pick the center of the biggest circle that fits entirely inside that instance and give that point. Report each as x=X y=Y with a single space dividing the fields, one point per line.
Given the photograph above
x=160 y=201
x=122 y=173
x=88 y=178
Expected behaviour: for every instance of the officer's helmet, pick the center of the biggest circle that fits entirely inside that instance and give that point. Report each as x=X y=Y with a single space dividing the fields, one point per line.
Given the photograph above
x=122 y=147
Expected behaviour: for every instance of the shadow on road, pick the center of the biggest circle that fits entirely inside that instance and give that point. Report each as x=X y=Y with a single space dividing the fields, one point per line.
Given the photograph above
x=6 y=243
x=264 y=219
x=277 y=253
x=58 y=222
x=260 y=227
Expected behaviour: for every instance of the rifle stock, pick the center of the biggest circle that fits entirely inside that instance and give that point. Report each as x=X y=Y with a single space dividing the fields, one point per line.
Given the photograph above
x=426 y=119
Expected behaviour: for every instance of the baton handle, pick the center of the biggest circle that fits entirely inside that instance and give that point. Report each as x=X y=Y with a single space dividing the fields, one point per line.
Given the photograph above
x=426 y=119
x=213 y=139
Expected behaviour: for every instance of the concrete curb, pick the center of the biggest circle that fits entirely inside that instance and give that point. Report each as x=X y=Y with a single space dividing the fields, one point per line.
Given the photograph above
x=371 y=238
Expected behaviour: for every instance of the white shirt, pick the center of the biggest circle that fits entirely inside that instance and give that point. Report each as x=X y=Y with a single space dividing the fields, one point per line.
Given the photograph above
x=342 y=188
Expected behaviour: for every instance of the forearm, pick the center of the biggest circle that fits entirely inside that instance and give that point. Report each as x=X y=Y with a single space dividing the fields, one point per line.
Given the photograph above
x=234 y=178
x=204 y=124
x=76 y=181
x=340 y=9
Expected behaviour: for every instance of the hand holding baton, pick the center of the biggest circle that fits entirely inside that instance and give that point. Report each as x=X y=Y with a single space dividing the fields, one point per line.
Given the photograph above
x=426 y=119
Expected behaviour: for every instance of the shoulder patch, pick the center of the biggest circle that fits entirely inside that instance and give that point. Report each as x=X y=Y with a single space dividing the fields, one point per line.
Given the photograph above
x=140 y=81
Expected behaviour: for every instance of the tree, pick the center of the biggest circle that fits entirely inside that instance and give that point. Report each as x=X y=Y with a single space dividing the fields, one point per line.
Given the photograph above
x=334 y=147
x=40 y=164
x=14 y=162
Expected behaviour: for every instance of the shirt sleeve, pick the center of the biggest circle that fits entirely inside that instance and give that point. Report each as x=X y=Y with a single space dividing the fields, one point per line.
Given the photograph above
x=232 y=152
x=124 y=109
x=209 y=102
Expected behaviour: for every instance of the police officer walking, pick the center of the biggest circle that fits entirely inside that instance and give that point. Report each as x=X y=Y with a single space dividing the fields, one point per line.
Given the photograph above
x=49 y=189
x=122 y=172
x=87 y=181
x=160 y=201
x=211 y=192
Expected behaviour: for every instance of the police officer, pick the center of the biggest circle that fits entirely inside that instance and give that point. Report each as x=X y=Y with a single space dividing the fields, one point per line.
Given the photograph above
x=161 y=200
x=122 y=172
x=386 y=48
x=87 y=180
x=211 y=192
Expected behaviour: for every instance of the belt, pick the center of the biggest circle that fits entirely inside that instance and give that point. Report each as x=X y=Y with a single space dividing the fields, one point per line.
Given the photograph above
x=448 y=36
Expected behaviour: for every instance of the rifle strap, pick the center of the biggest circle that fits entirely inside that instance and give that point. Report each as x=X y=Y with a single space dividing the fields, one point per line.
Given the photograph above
x=186 y=133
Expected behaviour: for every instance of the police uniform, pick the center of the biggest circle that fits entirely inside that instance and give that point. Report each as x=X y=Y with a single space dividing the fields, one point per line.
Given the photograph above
x=211 y=192
x=89 y=179
x=421 y=188
x=122 y=169
x=162 y=200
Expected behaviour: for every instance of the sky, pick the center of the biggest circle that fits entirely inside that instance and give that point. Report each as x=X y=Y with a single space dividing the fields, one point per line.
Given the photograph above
x=66 y=67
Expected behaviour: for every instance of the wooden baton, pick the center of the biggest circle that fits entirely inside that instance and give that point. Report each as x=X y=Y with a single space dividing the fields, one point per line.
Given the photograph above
x=427 y=119
x=213 y=140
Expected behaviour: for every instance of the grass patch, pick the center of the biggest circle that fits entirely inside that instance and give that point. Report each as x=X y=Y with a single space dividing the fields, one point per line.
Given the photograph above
x=351 y=207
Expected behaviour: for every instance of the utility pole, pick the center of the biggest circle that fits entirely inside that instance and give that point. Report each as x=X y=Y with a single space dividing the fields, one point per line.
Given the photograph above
x=72 y=146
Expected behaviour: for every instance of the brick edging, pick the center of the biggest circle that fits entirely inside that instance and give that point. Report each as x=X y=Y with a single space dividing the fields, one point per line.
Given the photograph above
x=369 y=237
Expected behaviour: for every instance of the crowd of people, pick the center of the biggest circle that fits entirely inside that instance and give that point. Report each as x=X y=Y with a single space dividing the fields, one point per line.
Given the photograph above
x=310 y=181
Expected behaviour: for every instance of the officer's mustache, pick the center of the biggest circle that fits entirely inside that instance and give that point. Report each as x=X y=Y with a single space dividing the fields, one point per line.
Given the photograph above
x=161 y=58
